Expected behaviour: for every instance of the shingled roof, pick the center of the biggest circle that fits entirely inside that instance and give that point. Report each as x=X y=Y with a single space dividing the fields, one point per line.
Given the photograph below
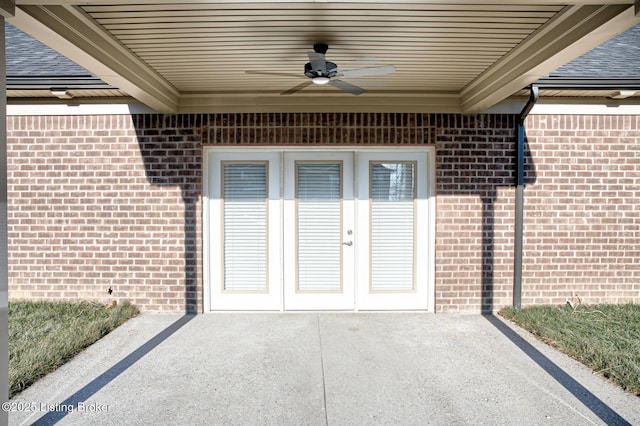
x=27 y=57
x=618 y=58
x=32 y=65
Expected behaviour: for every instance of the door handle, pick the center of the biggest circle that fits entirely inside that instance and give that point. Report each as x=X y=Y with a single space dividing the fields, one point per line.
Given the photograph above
x=348 y=243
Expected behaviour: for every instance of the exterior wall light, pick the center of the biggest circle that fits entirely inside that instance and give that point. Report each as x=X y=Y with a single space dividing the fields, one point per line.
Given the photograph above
x=623 y=94
x=61 y=93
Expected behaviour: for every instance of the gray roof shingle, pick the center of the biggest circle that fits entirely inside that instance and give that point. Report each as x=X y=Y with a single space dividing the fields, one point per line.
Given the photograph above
x=27 y=57
x=618 y=58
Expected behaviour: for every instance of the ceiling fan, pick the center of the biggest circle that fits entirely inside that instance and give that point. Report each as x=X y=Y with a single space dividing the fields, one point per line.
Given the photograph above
x=320 y=71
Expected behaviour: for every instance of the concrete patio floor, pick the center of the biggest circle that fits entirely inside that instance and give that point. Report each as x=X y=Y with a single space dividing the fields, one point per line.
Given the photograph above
x=322 y=369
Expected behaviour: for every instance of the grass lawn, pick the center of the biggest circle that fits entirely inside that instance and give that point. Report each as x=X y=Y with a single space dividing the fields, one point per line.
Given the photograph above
x=45 y=335
x=605 y=338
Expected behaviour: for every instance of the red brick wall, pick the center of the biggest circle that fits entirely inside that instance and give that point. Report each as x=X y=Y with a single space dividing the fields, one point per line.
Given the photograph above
x=582 y=216
x=99 y=202
x=115 y=201
x=475 y=210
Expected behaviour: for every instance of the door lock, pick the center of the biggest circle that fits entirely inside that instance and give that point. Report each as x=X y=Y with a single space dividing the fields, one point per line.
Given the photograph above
x=348 y=243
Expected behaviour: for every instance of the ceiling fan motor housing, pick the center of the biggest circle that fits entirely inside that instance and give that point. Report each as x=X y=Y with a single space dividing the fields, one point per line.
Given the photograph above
x=321 y=48
x=332 y=70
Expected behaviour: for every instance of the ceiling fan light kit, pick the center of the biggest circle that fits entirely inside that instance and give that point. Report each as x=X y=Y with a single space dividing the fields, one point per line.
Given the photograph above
x=321 y=80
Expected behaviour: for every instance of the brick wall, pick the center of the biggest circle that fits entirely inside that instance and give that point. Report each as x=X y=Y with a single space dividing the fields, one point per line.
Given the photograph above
x=474 y=235
x=115 y=201
x=582 y=216
x=99 y=202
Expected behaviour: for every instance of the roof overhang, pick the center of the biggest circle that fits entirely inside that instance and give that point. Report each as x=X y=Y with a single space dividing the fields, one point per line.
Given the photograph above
x=451 y=57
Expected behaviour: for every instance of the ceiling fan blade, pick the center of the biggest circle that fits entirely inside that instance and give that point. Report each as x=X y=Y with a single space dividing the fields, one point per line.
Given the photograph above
x=365 y=62
x=347 y=87
x=278 y=74
x=297 y=88
x=318 y=63
x=365 y=72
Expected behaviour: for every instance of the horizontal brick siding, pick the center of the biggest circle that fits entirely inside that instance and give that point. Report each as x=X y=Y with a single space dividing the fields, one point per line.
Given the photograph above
x=474 y=266
x=115 y=201
x=582 y=215
x=88 y=212
x=317 y=129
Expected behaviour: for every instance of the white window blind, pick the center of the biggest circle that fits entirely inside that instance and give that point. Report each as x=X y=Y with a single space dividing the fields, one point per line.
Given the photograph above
x=392 y=226
x=319 y=212
x=245 y=226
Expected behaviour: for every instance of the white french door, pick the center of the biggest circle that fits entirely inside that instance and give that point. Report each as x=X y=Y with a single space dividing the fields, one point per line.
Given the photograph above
x=319 y=230
x=394 y=232
x=244 y=226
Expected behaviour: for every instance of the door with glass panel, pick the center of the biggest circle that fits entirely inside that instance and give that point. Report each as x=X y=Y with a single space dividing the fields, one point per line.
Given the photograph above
x=244 y=250
x=393 y=231
x=318 y=230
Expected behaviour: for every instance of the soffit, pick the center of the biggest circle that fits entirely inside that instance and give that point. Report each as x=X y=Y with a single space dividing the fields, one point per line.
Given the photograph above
x=449 y=56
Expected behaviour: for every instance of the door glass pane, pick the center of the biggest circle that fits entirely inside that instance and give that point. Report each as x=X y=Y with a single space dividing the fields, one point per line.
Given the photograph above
x=319 y=212
x=392 y=225
x=245 y=226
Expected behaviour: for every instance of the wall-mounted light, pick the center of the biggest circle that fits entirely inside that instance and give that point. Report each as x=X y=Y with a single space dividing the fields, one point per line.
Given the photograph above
x=61 y=93
x=623 y=94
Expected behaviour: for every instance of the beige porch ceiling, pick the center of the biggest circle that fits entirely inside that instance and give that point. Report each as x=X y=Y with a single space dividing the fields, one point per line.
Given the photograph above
x=450 y=56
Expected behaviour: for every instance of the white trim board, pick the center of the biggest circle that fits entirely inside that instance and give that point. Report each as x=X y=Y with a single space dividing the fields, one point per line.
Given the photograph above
x=510 y=106
x=611 y=108
x=78 y=109
x=569 y=106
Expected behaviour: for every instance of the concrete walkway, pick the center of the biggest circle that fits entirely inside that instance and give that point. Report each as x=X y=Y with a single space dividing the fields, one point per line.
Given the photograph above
x=322 y=369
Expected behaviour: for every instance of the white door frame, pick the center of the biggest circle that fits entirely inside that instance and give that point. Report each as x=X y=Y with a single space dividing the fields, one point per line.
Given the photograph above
x=209 y=153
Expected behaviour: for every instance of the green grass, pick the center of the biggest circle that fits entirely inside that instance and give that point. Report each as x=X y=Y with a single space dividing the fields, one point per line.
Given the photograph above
x=605 y=338
x=45 y=335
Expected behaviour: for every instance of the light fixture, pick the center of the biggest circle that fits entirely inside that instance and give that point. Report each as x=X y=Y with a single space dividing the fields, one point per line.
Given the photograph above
x=61 y=93
x=320 y=80
x=623 y=94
